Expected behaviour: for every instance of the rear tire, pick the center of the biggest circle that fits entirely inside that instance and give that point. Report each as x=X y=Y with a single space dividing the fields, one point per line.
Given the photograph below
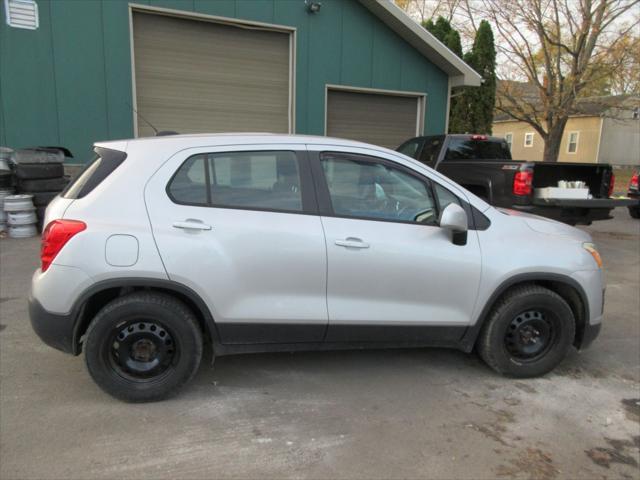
x=634 y=212
x=34 y=171
x=143 y=347
x=528 y=332
x=43 y=185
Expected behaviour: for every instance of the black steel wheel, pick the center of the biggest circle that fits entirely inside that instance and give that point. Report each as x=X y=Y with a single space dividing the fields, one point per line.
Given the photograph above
x=143 y=347
x=527 y=333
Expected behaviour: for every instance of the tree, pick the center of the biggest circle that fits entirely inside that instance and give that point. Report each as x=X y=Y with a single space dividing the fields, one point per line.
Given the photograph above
x=483 y=98
x=562 y=48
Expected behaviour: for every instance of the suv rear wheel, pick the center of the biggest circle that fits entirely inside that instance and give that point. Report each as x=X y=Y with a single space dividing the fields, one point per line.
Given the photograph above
x=143 y=347
x=528 y=332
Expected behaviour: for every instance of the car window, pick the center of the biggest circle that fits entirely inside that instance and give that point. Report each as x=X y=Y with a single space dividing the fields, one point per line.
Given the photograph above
x=463 y=148
x=189 y=184
x=364 y=188
x=445 y=197
x=409 y=148
x=431 y=150
x=252 y=180
x=269 y=180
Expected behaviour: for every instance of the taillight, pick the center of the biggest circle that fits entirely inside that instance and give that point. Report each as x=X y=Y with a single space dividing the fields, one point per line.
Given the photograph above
x=478 y=137
x=522 y=183
x=612 y=182
x=55 y=236
x=634 y=181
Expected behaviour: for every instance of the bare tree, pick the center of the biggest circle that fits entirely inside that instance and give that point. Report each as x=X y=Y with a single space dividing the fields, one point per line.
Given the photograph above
x=559 y=48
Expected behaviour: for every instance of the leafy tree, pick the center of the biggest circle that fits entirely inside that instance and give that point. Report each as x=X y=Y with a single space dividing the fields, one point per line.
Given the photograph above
x=482 y=99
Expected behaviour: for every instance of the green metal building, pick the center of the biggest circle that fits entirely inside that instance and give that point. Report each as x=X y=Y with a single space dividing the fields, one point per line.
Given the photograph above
x=72 y=71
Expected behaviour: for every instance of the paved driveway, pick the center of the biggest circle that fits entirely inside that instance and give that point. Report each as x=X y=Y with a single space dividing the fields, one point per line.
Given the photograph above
x=373 y=414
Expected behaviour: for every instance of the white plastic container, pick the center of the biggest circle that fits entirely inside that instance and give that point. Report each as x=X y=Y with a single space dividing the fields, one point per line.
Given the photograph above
x=557 y=192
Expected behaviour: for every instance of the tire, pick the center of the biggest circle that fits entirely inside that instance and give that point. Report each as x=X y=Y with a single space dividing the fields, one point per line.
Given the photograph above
x=634 y=212
x=32 y=171
x=133 y=333
x=6 y=179
x=42 y=199
x=507 y=342
x=43 y=185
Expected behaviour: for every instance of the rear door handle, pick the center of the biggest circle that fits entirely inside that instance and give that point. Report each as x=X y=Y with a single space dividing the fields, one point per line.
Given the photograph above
x=352 y=242
x=191 y=224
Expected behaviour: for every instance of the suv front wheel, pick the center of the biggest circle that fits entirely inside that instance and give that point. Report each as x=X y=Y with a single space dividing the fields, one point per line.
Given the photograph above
x=143 y=347
x=528 y=332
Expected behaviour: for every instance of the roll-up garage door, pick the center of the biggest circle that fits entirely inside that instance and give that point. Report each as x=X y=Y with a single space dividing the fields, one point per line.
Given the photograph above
x=196 y=76
x=382 y=119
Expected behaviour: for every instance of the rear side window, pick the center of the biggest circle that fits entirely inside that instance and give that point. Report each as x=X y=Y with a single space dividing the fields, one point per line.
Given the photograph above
x=470 y=149
x=410 y=148
x=251 y=180
x=94 y=173
x=431 y=150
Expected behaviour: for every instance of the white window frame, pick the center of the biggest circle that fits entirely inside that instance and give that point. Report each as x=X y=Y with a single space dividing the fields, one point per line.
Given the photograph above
x=508 y=137
x=577 y=133
x=526 y=136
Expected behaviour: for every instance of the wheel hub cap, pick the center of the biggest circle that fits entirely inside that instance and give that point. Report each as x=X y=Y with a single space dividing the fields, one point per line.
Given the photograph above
x=529 y=335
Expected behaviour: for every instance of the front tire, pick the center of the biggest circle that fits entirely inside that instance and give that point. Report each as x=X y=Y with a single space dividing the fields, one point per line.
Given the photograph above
x=528 y=332
x=143 y=347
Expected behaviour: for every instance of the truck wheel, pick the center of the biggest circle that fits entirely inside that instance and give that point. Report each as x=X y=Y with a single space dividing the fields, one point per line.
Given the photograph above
x=143 y=347
x=528 y=332
x=634 y=212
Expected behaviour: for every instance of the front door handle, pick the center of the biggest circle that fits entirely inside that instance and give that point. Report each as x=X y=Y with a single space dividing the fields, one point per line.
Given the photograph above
x=352 y=242
x=192 y=224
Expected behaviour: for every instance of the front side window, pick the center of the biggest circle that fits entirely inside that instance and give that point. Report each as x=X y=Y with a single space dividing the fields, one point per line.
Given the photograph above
x=572 y=144
x=409 y=148
x=363 y=188
x=251 y=180
x=445 y=197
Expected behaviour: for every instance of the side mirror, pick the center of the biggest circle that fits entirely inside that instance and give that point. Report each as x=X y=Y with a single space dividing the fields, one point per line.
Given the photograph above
x=454 y=219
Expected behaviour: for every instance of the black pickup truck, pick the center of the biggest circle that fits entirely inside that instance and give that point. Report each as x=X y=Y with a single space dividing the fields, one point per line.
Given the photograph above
x=483 y=165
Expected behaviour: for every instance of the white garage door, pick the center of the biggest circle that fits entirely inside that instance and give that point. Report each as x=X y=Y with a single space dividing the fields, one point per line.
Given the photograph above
x=196 y=76
x=382 y=119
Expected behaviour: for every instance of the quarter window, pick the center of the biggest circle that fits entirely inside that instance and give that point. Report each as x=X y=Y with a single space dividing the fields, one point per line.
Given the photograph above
x=368 y=189
x=251 y=180
x=572 y=144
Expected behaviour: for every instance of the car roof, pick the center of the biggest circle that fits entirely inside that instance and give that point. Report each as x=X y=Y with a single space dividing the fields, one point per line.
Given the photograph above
x=240 y=138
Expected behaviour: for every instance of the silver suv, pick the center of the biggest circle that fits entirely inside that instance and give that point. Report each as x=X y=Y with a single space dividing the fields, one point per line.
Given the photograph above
x=257 y=243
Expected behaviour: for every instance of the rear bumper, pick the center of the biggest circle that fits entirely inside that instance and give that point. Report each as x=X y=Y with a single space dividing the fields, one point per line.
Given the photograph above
x=576 y=211
x=53 y=329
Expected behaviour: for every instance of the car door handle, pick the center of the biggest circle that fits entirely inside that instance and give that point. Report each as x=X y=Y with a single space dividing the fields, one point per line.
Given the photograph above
x=352 y=242
x=192 y=225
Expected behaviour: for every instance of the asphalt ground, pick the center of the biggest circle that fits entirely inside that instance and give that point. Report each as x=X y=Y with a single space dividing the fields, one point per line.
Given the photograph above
x=350 y=414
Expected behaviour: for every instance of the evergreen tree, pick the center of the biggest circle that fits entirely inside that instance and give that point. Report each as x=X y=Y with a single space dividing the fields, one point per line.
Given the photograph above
x=482 y=99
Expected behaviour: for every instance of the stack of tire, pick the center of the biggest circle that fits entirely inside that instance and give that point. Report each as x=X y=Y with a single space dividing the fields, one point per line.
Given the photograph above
x=6 y=183
x=40 y=172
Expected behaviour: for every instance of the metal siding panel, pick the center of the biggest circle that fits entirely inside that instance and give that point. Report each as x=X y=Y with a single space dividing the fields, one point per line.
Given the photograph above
x=387 y=64
x=196 y=76
x=117 y=61
x=185 y=5
x=325 y=49
x=258 y=10
x=79 y=73
x=357 y=46
x=385 y=120
x=291 y=12
x=436 y=110
x=221 y=8
x=28 y=89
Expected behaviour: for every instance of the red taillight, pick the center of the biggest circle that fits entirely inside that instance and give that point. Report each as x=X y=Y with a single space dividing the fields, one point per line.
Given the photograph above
x=55 y=236
x=634 y=181
x=478 y=137
x=612 y=182
x=522 y=183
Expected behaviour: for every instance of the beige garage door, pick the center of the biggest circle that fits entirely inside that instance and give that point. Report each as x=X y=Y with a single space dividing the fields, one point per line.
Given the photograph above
x=195 y=76
x=382 y=119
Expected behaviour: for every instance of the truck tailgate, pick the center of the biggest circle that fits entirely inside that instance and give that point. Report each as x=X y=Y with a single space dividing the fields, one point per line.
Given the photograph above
x=585 y=203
